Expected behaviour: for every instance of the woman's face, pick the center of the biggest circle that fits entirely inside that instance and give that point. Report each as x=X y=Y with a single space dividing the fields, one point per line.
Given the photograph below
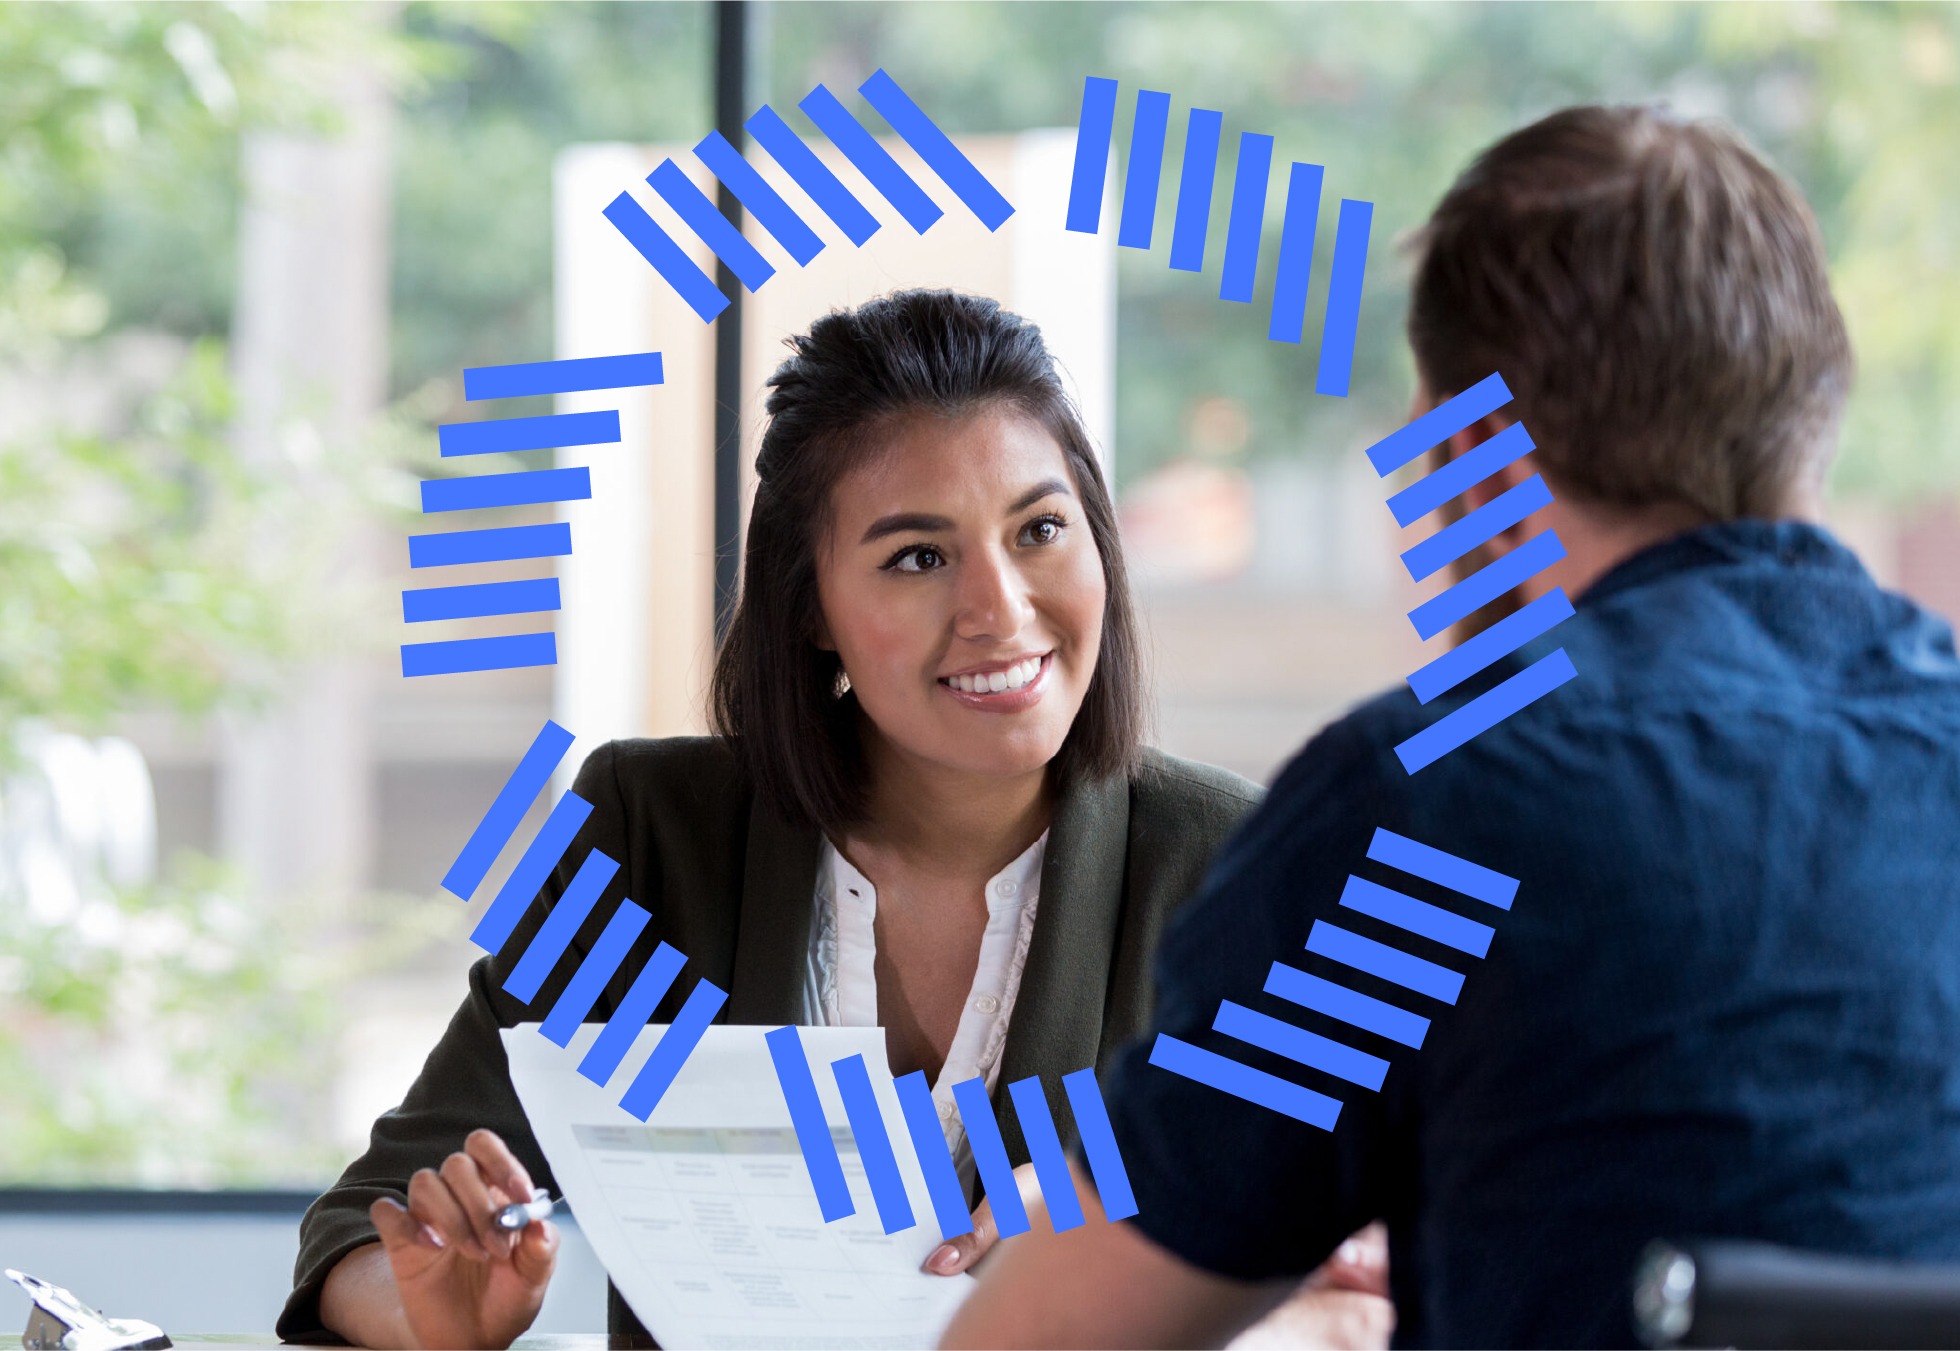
x=963 y=591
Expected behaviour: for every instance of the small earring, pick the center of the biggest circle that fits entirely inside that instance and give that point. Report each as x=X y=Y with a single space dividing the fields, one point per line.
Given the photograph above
x=842 y=685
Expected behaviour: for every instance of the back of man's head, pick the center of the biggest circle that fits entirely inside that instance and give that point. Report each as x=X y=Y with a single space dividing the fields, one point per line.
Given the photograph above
x=1655 y=296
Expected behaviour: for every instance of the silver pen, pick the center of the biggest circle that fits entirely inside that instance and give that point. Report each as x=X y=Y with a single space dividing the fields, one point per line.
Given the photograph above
x=521 y=1214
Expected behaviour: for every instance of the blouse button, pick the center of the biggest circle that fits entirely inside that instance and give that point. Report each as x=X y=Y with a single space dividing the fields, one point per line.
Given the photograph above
x=1007 y=888
x=986 y=1003
x=945 y=1111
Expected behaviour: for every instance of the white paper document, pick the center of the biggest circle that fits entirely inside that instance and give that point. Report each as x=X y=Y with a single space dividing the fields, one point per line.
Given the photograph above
x=705 y=1217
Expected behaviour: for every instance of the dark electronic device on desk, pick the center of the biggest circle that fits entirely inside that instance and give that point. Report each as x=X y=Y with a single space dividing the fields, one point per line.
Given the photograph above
x=60 y=1322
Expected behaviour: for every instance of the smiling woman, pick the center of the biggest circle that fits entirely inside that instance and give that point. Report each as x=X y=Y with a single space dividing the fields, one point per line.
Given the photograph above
x=926 y=806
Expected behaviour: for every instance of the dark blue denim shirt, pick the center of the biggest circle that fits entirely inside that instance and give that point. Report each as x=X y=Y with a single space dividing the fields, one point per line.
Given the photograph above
x=1725 y=1002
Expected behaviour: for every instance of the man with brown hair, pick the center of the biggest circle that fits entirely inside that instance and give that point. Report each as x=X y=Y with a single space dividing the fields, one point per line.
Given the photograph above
x=1723 y=998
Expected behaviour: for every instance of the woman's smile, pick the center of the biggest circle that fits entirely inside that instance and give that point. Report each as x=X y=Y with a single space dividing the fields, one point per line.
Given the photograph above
x=1002 y=687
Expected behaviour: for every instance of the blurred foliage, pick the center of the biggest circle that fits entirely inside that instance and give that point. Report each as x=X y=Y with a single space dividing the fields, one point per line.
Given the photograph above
x=177 y=1035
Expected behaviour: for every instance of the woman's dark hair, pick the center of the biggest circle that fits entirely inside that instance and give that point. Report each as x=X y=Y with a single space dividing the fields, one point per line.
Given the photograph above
x=941 y=352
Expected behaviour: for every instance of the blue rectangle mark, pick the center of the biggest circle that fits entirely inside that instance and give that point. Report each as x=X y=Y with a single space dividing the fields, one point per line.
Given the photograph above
x=560 y=926
x=1495 y=643
x=1337 y=1001
x=752 y=190
x=1379 y=959
x=812 y=175
x=1045 y=1151
x=1487 y=583
x=1146 y=168
x=520 y=489
x=496 y=545
x=1418 y=917
x=1445 y=870
x=1194 y=185
x=455 y=656
x=1093 y=131
x=990 y=1156
x=861 y=148
x=493 y=436
x=716 y=230
x=655 y=245
x=1450 y=480
x=812 y=1131
x=1242 y=1081
x=1092 y=1127
x=1300 y=1046
x=1486 y=523
x=1484 y=712
x=598 y=967
x=493 y=832
x=936 y=148
x=634 y=1010
x=527 y=596
x=1296 y=235
x=554 y=837
x=676 y=1044
x=873 y=1145
x=929 y=1145
x=629 y=370
x=1248 y=221
x=1337 y=330
x=1440 y=423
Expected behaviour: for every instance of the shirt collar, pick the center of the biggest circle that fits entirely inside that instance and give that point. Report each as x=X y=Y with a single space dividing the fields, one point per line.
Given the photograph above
x=1009 y=889
x=1785 y=544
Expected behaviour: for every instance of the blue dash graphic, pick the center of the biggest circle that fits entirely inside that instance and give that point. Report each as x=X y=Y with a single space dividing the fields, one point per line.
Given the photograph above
x=524 y=488
x=929 y=1144
x=1094 y=128
x=936 y=148
x=990 y=1157
x=1300 y=1046
x=812 y=175
x=1045 y=1151
x=528 y=877
x=550 y=431
x=1351 y=1007
x=560 y=926
x=593 y=973
x=676 y=1044
x=495 y=545
x=1242 y=1081
x=1099 y=1144
x=1486 y=584
x=1439 y=424
x=1460 y=474
x=493 y=832
x=1379 y=959
x=1481 y=526
x=1418 y=917
x=1484 y=712
x=1248 y=219
x=874 y=1146
x=763 y=202
x=1194 y=189
x=1296 y=235
x=812 y=1131
x=1146 y=169
x=861 y=148
x=528 y=596
x=655 y=245
x=716 y=230
x=1344 y=298
x=503 y=652
x=1444 y=869
x=635 y=1009
x=1493 y=644
x=571 y=375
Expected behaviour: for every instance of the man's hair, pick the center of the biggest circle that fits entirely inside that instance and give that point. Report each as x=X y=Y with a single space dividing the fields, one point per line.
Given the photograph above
x=1655 y=297
x=829 y=406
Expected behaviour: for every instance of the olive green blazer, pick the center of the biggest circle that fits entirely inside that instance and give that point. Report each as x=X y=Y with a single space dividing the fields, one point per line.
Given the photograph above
x=732 y=886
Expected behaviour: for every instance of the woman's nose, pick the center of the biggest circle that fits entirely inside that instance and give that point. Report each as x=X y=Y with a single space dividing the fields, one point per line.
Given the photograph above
x=992 y=599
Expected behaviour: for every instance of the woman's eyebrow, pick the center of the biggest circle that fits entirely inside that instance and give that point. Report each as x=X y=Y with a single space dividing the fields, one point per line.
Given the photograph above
x=906 y=522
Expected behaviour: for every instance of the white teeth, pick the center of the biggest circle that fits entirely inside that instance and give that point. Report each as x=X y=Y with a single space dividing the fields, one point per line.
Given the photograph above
x=1013 y=678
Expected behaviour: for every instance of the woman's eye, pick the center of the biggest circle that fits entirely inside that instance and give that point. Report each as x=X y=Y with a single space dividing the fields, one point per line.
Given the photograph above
x=1043 y=530
x=915 y=558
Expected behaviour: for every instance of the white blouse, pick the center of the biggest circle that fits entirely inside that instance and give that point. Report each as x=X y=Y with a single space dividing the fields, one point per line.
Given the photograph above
x=841 y=982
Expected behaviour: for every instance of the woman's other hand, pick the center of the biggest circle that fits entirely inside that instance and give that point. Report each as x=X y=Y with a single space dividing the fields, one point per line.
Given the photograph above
x=1343 y=1305
x=962 y=1252
x=463 y=1281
